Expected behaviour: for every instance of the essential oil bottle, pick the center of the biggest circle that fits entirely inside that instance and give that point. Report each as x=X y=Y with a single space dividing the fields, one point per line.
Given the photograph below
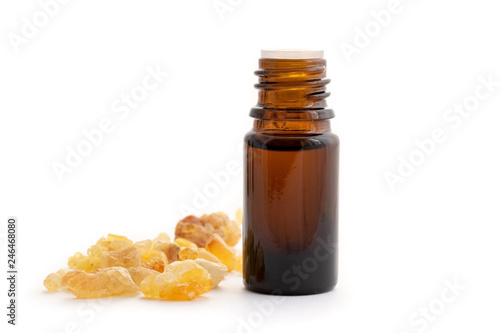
x=291 y=179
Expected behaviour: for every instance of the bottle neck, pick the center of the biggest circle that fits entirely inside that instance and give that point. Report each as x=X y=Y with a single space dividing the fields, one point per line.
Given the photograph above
x=292 y=126
x=292 y=89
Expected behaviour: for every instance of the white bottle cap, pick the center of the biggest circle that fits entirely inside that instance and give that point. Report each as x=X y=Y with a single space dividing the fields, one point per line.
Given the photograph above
x=292 y=54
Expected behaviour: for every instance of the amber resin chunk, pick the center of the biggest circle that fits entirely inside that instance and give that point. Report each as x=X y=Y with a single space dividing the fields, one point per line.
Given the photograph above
x=80 y=261
x=149 y=288
x=198 y=230
x=193 y=229
x=184 y=242
x=163 y=237
x=155 y=260
x=112 y=237
x=217 y=270
x=138 y=274
x=95 y=254
x=204 y=254
x=188 y=253
x=119 y=244
x=182 y=281
x=104 y=282
x=52 y=282
x=127 y=257
x=171 y=250
x=104 y=242
x=62 y=272
x=144 y=247
x=239 y=263
x=239 y=216
x=219 y=248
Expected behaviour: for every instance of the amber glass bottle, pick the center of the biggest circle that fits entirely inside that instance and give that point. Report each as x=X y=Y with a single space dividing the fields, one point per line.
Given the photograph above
x=291 y=179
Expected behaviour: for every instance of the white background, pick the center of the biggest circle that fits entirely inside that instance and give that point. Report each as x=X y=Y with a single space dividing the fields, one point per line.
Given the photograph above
x=397 y=248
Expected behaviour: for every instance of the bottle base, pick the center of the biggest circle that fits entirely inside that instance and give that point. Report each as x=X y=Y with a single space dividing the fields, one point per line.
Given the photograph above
x=288 y=292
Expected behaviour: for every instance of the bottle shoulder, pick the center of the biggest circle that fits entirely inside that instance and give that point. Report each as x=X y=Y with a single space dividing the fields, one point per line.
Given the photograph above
x=290 y=141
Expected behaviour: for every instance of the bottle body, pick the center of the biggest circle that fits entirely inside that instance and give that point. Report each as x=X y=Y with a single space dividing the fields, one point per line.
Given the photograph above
x=290 y=215
x=290 y=212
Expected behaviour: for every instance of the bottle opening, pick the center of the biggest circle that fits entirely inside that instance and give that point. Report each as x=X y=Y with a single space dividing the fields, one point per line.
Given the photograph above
x=291 y=54
x=292 y=85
